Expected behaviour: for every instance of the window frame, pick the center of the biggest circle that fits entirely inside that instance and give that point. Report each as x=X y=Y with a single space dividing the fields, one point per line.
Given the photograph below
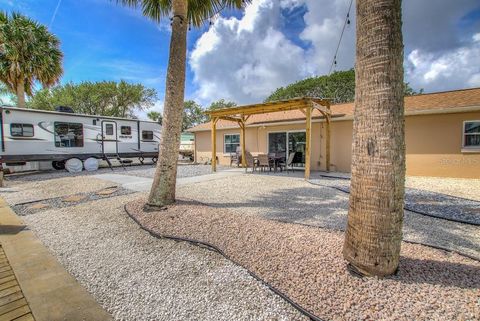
x=22 y=135
x=464 y=134
x=129 y=133
x=225 y=144
x=108 y=127
x=55 y=134
x=148 y=139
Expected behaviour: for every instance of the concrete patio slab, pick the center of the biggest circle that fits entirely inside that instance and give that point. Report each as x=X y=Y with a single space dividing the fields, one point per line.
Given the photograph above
x=51 y=292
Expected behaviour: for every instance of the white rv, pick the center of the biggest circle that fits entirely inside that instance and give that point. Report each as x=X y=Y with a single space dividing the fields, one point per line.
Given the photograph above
x=29 y=135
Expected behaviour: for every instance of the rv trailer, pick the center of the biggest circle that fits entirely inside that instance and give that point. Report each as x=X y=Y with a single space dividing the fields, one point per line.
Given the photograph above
x=28 y=135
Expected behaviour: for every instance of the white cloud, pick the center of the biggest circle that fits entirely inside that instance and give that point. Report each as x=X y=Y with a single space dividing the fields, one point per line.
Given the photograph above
x=459 y=67
x=246 y=59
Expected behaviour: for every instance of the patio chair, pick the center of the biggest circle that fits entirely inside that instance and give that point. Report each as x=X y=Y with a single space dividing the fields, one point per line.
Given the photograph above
x=289 y=162
x=250 y=162
x=264 y=162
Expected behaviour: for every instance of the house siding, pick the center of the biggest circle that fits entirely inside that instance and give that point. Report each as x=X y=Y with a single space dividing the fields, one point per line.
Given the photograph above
x=433 y=142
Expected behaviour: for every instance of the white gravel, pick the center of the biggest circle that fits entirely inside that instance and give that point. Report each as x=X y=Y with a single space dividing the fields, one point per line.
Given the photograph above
x=459 y=187
x=293 y=200
x=135 y=276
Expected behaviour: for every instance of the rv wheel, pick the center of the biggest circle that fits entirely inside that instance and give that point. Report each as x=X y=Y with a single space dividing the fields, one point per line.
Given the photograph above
x=141 y=159
x=58 y=165
x=154 y=160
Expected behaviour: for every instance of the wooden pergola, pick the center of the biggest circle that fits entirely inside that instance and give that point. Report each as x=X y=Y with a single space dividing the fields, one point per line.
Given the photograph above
x=241 y=114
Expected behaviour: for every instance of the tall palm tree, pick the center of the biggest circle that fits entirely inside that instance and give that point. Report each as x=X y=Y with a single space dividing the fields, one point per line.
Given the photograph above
x=28 y=53
x=375 y=217
x=182 y=13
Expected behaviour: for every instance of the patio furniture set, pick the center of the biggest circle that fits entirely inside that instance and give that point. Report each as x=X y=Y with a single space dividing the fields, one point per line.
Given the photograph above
x=271 y=161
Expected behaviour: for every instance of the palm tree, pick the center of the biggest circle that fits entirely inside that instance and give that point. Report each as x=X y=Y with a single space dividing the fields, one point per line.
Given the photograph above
x=28 y=53
x=182 y=13
x=155 y=116
x=374 y=229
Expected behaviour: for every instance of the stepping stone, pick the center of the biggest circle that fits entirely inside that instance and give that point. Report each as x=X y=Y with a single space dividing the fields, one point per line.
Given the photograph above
x=38 y=206
x=107 y=191
x=73 y=198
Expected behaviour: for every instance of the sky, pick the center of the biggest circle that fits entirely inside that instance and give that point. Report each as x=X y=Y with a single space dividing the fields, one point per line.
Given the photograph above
x=245 y=55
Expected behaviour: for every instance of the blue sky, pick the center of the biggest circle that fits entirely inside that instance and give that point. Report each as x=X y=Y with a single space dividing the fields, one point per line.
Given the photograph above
x=244 y=56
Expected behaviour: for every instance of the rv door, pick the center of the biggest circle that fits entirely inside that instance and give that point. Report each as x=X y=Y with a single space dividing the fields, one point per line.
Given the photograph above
x=109 y=137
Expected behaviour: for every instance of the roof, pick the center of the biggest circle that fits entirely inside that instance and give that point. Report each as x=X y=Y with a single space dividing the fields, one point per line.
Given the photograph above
x=432 y=103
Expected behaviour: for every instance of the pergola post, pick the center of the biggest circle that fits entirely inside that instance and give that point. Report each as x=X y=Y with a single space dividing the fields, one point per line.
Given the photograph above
x=242 y=141
x=327 y=144
x=308 y=143
x=214 y=144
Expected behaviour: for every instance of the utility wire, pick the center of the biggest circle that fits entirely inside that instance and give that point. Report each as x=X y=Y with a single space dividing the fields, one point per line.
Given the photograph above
x=54 y=14
x=346 y=22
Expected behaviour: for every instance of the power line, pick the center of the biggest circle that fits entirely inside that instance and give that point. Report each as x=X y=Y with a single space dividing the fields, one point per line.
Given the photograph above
x=54 y=14
x=346 y=22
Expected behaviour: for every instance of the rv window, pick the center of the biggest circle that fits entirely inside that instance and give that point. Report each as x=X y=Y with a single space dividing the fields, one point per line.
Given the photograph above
x=126 y=130
x=21 y=130
x=68 y=135
x=147 y=135
x=109 y=129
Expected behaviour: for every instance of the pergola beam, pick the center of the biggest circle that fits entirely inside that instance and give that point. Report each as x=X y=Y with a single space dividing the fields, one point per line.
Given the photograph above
x=241 y=114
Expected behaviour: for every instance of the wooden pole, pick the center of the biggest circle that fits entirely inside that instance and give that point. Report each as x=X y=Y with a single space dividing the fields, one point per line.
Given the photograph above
x=308 y=143
x=327 y=144
x=214 y=144
x=242 y=141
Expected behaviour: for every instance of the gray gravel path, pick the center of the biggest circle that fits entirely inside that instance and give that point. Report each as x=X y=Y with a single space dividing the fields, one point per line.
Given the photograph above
x=135 y=276
x=293 y=200
x=137 y=170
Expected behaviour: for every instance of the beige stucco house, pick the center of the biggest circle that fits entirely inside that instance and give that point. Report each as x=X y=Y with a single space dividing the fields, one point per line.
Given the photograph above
x=442 y=135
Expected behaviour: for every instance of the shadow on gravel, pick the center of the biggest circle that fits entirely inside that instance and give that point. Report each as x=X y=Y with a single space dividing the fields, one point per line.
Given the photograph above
x=438 y=273
x=327 y=208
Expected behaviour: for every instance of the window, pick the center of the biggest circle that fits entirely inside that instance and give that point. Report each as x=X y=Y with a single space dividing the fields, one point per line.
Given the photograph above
x=126 y=130
x=231 y=142
x=21 y=130
x=147 y=135
x=68 y=134
x=471 y=134
x=109 y=129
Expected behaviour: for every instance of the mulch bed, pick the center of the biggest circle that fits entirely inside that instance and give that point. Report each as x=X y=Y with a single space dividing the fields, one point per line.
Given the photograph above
x=307 y=265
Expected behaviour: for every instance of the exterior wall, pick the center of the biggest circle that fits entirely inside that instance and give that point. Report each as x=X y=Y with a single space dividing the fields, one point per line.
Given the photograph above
x=434 y=145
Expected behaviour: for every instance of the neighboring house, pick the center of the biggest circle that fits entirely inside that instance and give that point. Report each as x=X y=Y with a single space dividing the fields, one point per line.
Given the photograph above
x=442 y=135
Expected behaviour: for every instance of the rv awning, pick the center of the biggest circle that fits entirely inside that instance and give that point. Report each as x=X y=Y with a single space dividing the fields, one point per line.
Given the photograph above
x=241 y=114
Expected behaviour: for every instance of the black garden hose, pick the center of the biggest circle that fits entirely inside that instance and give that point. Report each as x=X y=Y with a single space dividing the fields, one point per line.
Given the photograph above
x=216 y=249
x=406 y=207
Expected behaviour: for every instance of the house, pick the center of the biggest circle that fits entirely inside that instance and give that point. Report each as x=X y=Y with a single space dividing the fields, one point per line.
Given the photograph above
x=442 y=135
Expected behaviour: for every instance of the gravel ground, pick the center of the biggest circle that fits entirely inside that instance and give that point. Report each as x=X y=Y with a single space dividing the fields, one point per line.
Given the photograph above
x=459 y=187
x=306 y=263
x=135 y=276
x=293 y=200
x=137 y=170
x=38 y=190
x=183 y=171
x=70 y=200
x=424 y=201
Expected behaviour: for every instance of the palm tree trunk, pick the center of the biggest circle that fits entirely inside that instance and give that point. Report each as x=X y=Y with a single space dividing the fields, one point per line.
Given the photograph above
x=164 y=182
x=21 y=93
x=374 y=229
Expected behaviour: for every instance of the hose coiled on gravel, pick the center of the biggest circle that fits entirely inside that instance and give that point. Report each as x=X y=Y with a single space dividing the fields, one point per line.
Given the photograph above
x=216 y=249
x=405 y=207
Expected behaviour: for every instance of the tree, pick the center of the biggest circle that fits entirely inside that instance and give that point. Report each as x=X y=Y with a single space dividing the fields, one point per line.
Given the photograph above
x=182 y=14
x=155 y=116
x=29 y=53
x=193 y=115
x=106 y=98
x=222 y=103
x=339 y=86
x=375 y=217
